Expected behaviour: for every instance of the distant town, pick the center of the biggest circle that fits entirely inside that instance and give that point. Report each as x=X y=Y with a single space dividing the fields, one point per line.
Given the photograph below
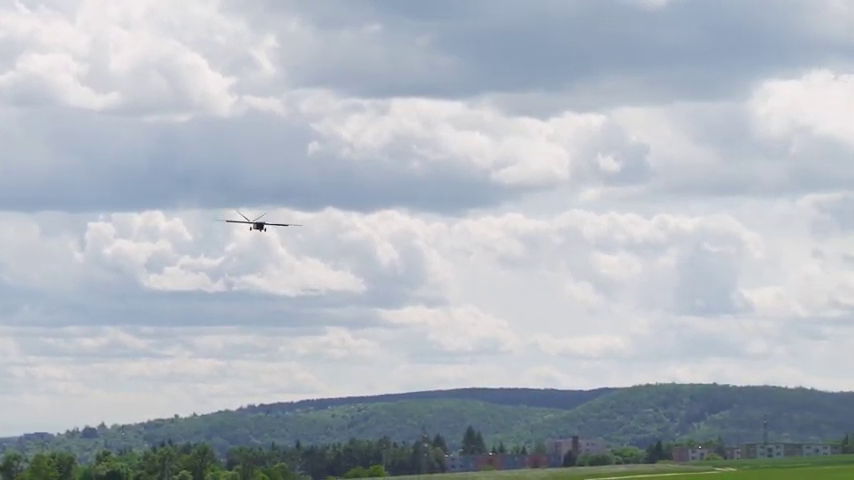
x=558 y=451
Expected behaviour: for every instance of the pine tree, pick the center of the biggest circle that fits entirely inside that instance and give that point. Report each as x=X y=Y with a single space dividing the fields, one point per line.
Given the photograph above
x=439 y=442
x=655 y=452
x=720 y=447
x=480 y=445
x=469 y=444
x=569 y=459
x=659 y=451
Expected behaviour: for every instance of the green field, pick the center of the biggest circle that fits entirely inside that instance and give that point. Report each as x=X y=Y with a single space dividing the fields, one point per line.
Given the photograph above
x=837 y=467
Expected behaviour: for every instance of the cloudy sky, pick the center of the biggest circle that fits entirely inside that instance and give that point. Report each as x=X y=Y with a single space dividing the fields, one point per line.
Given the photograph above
x=549 y=193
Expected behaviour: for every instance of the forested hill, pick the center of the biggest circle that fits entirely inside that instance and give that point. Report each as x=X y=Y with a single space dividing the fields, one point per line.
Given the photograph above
x=636 y=415
x=530 y=397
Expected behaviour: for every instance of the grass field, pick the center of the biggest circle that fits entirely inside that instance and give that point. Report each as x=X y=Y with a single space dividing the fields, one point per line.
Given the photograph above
x=836 y=467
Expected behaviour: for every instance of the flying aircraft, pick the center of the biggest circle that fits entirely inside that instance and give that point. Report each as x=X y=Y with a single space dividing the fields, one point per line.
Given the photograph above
x=260 y=226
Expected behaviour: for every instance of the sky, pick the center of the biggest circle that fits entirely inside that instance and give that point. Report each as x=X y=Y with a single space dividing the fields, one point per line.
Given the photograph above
x=551 y=193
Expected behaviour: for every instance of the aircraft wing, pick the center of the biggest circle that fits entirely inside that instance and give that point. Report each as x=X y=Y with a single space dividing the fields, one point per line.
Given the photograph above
x=235 y=221
x=283 y=224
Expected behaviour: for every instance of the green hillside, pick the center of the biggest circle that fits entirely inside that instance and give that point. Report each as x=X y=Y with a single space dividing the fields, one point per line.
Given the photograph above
x=637 y=415
x=640 y=415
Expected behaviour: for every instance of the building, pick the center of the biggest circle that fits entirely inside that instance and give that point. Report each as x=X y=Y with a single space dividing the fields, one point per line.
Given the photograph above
x=690 y=454
x=758 y=450
x=579 y=446
x=733 y=453
x=560 y=447
x=694 y=454
x=816 y=449
x=593 y=446
x=780 y=450
x=762 y=450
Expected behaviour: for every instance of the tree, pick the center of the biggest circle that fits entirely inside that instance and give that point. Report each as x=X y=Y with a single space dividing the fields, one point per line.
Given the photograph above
x=439 y=442
x=65 y=464
x=569 y=460
x=473 y=443
x=376 y=471
x=720 y=447
x=480 y=445
x=186 y=461
x=201 y=460
x=12 y=466
x=629 y=455
x=469 y=444
x=426 y=458
x=112 y=470
x=655 y=453
x=41 y=468
x=279 y=471
x=357 y=472
x=596 y=459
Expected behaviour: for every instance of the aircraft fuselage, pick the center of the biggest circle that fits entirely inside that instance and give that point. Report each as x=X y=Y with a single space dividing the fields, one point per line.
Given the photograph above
x=260 y=226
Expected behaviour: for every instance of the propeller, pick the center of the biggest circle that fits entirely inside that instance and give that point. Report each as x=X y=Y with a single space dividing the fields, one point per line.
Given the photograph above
x=244 y=216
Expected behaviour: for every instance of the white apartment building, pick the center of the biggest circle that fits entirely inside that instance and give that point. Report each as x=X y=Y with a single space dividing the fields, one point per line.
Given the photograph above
x=774 y=450
x=811 y=450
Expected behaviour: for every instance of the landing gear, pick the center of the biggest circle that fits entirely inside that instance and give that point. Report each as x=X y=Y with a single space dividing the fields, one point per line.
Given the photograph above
x=265 y=229
x=250 y=229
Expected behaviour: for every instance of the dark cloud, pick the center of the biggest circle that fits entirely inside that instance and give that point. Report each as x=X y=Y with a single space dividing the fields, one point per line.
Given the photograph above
x=691 y=49
x=76 y=162
x=707 y=285
x=109 y=296
x=611 y=51
x=747 y=164
x=197 y=309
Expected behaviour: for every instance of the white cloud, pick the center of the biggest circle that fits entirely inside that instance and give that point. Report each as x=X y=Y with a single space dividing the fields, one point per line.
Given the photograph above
x=463 y=329
x=152 y=57
x=512 y=151
x=819 y=103
x=589 y=346
x=467 y=221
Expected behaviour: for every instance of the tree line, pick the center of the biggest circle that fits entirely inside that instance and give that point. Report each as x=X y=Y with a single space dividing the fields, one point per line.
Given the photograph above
x=171 y=461
x=353 y=459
